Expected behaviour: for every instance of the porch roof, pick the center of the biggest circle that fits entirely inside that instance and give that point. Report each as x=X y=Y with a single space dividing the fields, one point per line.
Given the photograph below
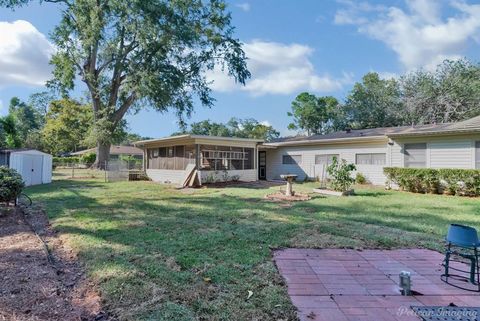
x=197 y=139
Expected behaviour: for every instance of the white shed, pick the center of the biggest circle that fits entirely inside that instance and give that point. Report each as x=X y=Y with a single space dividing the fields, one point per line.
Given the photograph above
x=34 y=166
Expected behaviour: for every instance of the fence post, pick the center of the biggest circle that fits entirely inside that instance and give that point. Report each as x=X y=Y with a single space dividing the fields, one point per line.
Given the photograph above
x=73 y=171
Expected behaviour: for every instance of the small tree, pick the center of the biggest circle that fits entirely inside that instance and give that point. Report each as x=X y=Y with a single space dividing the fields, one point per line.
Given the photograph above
x=11 y=184
x=341 y=175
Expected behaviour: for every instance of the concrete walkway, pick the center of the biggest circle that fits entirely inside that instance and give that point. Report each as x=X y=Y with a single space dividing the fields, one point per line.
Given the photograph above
x=350 y=285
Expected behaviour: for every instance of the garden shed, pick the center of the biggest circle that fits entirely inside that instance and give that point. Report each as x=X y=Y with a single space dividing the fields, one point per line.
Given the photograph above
x=34 y=166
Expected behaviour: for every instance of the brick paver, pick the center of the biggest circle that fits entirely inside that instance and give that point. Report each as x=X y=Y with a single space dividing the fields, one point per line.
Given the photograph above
x=351 y=285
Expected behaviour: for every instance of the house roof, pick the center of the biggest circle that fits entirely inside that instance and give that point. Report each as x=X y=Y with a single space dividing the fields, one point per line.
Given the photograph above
x=467 y=126
x=114 y=150
x=22 y=151
x=173 y=139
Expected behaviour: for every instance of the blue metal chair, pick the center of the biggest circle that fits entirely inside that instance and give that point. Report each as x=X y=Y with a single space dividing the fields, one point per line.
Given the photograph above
x=462 y=242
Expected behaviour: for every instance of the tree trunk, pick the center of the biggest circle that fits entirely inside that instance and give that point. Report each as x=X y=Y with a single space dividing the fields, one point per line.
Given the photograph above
x=103 y=153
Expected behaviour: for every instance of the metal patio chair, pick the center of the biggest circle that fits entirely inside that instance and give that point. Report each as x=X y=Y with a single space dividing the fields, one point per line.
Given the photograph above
x=462 y=243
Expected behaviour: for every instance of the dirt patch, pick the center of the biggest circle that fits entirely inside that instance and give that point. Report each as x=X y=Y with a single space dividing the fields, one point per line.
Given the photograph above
x=282 y=197
x=41 y=278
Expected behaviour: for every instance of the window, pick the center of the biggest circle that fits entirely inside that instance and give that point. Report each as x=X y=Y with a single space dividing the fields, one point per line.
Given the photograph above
x=477 y=155
x=155 y=152
x=371 y=159
x=292 y=159
x=415 y=155
x=326 y=159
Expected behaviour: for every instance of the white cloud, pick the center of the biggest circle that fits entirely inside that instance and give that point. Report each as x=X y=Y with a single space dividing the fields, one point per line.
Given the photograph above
x=265 y=123
x=419 y=35
x=1 y=105
x=24 y=54
x=245 y=6
x=279 y=69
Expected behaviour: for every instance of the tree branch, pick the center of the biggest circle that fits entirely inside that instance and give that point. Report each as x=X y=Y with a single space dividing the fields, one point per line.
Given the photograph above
x=120 y=112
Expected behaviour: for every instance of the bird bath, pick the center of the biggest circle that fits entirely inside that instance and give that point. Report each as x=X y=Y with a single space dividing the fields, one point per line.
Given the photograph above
x=289 y=178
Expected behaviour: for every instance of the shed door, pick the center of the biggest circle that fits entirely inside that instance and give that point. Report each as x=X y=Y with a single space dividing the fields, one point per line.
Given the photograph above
x=27 y=161
x=32 y=166
x=37 y=168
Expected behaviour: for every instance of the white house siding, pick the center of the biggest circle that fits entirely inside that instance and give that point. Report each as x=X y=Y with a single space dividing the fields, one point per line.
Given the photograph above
x=442 y=152
x=247 y=175
x=166 y=175
x=347 y=151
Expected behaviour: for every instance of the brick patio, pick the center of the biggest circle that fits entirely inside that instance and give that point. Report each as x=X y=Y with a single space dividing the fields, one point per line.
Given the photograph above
x=350 y=285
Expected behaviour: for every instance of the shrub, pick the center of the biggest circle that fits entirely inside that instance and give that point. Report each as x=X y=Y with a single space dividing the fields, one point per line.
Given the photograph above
x=88 y=158
x=11 y=184
x=66 y=160
x=341 y=175
x=429 y=180
x=360 y=178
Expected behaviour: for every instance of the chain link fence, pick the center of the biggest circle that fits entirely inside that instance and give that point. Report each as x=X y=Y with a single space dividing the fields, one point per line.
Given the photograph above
x=112 y=171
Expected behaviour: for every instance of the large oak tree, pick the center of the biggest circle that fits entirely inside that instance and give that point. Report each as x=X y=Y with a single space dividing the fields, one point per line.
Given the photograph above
x=136 y=54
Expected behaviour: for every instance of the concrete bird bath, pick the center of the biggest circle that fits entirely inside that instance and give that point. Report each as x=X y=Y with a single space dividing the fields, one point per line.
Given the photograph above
x=289 y=178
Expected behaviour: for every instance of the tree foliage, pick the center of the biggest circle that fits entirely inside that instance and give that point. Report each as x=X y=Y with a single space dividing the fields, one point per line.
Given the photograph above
x=315 y=115
x=448 y=94
x=374 y=102
x=242 y=128
x=67 y=125
x=451 y=93
x=135 y=54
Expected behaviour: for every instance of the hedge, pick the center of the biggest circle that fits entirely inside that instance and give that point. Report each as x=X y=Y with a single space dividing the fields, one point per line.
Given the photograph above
x=464 y=182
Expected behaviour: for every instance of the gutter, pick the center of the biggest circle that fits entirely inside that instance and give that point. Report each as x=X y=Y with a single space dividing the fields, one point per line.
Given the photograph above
x=436 y=133
x=344 y=140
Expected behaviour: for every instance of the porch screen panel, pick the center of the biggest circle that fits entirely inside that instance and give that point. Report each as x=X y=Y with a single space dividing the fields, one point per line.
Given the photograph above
x=162 y=158
x=248 y=162
x=180 y=157
x=236 y=162
x=226 y=158
x=477 y=155
x=415 y=155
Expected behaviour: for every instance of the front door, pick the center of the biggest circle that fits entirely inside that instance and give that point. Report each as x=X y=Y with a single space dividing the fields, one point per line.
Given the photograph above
x=262 y=165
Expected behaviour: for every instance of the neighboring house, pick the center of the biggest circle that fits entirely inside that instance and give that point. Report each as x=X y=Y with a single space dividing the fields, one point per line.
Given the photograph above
x=115 y=152
x=166 y=159
x=452 y=145
x=34 y=166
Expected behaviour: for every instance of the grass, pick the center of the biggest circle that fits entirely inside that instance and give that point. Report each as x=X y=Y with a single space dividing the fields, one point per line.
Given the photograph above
x=162 y=254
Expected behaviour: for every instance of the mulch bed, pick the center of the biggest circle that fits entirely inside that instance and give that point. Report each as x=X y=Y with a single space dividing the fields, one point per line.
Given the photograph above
x=40 y=282
x=279 y=196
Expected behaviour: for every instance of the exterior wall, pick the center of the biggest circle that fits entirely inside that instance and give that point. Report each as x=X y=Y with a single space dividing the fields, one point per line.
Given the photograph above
x=247 y=175
x=166 y=175
x=442 y=152
x=347 y=151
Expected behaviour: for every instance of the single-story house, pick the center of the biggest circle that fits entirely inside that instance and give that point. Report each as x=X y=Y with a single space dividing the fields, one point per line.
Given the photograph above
x=115 y=152
x=34 y=166
x=449 y=145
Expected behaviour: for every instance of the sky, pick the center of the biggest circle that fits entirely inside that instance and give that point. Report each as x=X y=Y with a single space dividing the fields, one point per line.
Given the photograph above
x=319 y=46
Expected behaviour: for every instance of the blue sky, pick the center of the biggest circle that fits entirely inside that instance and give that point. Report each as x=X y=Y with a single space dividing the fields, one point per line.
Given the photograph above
x=318 y=46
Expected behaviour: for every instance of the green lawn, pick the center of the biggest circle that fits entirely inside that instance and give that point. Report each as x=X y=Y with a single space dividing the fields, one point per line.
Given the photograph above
x=162 y=254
